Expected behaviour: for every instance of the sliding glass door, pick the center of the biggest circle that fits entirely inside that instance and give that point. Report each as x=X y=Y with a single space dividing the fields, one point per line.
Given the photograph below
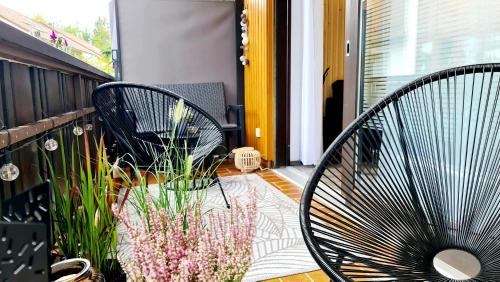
x=401 y=40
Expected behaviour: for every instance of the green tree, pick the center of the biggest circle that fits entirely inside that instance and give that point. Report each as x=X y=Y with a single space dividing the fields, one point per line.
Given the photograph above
x=78 y=32
x=101 y=37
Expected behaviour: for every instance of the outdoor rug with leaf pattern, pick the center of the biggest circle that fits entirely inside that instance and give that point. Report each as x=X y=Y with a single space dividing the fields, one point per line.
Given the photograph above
x=279 y=249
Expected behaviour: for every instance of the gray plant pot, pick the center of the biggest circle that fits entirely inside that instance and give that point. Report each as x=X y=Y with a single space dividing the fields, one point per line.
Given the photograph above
x=74 y=270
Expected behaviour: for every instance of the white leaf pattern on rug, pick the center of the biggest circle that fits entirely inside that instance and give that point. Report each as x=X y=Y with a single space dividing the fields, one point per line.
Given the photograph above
x=279 y=249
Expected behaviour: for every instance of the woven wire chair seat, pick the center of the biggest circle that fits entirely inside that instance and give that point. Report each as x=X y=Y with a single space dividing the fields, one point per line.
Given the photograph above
x=142 y=120
x=416 y=174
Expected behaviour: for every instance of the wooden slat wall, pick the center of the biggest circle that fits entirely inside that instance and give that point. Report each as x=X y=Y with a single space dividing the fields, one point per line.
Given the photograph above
x=259 y=77
x=333 y=43
x=29 y=94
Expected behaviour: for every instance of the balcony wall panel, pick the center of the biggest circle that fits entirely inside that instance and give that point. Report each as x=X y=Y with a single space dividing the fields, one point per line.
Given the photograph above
x=38 y=81
x=28 y=94
x=186 y=41
x=259 y=77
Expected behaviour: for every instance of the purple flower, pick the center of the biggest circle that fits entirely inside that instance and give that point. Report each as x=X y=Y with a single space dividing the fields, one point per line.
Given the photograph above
x=65 y=42
x=53 y=36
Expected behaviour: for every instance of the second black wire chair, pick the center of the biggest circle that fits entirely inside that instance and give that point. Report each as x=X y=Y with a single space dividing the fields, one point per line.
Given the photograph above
x=144 y=121
x=417 y=175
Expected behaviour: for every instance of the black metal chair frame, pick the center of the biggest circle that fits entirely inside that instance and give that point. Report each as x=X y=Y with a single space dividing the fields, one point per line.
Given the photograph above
x=324 y=250
x=154 y=144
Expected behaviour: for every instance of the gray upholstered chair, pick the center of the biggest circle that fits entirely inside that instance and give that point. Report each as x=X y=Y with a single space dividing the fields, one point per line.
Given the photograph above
x=210 y=97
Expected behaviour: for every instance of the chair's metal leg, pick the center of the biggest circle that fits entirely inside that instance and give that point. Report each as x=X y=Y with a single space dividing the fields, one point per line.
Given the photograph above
x=222 y=191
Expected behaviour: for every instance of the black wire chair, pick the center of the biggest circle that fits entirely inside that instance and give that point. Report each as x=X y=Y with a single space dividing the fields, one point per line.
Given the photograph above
x=143 y=120
x=417 y=174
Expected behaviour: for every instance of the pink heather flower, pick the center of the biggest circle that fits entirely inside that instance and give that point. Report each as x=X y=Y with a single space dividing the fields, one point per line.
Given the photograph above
x=217 y=247
x=53 y=36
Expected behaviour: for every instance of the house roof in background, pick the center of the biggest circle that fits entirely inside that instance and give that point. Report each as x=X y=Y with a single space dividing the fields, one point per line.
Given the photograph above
x=42 y=31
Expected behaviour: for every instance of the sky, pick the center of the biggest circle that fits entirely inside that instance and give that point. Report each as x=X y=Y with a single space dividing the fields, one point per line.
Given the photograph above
x=65 y=12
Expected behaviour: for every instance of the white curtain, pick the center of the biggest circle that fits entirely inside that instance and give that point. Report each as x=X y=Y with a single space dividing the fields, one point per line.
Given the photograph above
x=296 y=79
x=311 y=128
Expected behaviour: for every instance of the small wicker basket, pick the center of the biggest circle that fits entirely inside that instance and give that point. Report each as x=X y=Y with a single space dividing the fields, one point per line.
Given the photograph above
x=246 y=159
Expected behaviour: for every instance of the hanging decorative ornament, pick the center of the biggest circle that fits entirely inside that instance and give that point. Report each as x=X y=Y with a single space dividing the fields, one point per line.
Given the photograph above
x=77 y=130
x=244 y=12
x=245 y=41
x=51 y=144
x=244 y=34
x=89 y=127
x=9 y=172
x=244 y=61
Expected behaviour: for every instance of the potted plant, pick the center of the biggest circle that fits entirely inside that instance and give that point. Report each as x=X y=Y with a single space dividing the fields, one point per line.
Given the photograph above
x=85 y=226
x=174 y=238
x=181 y=180
x=195 y=246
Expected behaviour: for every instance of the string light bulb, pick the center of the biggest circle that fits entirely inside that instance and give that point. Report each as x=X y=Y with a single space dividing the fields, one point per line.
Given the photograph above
x=9 y=171
x=77 y=130
x=89 y=127
x=51 y=144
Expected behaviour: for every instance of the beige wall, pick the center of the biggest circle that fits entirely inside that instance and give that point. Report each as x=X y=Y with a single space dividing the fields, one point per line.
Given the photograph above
x=178 y=42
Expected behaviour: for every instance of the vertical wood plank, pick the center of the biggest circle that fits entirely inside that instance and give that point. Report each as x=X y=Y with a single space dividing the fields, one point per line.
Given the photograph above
x=259 y=77
x=333 y=44
x=22 y=94
x=9 y=115
x=43 y=93
x=69 y=92
x=54 y=103
x=36 y=93
x=79 y=91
